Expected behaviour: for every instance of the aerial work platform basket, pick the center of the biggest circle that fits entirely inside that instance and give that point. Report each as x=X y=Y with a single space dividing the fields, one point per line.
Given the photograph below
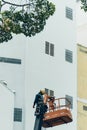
x=58 y=113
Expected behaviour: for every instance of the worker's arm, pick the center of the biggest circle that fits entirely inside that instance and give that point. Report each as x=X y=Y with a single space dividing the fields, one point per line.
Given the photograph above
x=35 y=101
x=46 y=97
x=34 y=105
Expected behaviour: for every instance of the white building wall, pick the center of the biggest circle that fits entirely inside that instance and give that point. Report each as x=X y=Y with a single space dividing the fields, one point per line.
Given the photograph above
x=14 y=74
x=39 y=70
x=6 y=108
x=45 y=71
x=81 y=16
x=82 y=35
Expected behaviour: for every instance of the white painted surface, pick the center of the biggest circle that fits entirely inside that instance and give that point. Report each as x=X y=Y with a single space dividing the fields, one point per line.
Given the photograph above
x=52 y=72
x=14 y=74
x=6 y=108
x=81 y=16
x=39 y=70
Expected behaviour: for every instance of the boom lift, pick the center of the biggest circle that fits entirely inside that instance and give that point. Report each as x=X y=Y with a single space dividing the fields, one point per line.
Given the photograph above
x=58 y=113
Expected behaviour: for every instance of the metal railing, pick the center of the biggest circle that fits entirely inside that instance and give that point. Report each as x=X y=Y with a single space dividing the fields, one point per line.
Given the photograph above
x=59 y=103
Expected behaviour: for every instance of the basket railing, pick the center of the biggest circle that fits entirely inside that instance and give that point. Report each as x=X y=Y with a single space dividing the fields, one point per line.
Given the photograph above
x=59 y=103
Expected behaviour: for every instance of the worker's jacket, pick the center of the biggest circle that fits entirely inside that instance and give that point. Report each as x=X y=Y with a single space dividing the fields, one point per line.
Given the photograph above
x=38 y=99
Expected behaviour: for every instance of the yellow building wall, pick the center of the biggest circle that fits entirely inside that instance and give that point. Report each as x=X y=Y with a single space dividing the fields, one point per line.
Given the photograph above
x=82 y=71
x=81 y=87
x=82 y=117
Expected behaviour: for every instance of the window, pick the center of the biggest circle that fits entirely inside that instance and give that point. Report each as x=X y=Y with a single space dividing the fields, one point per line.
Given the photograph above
x=68 y=56
x=85 y=108
x=69 y=13
x=70 y=99
x=49 y=92
x=46 y=90
x=49 y=48
x=18 y=114
x=10 y=60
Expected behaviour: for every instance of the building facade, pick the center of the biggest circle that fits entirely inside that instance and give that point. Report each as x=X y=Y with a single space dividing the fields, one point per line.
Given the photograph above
x=6 y=107
x=81 y=69
x=47 y=60
x=81 y=89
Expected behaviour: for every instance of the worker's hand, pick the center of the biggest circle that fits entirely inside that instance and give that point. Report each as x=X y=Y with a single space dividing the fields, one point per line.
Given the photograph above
x=33 y=106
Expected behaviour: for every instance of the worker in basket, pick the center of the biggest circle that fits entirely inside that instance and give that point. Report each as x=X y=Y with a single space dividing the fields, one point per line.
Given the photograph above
x=41 y=106
x=51 y=103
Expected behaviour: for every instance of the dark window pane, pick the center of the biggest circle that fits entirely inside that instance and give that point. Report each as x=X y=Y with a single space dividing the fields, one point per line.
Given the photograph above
x=69 y=13
x=10 y=60
x=85 y=108
x=68 y=56
x=47 y=47
x=51 y=49
x=70 y=99
x=46 y=90
x=51 y=93
x=18 y=114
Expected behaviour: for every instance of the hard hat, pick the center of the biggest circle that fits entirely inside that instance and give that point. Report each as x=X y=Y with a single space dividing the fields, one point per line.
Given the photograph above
x=42 y=91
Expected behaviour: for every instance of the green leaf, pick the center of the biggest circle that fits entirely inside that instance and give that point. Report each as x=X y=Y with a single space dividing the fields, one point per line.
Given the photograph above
x=29 y=23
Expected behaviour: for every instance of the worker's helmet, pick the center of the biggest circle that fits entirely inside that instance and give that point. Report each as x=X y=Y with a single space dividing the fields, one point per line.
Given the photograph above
x=42 y=92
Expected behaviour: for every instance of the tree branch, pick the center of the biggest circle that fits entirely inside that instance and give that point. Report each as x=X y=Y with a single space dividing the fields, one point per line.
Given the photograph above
x=16 y=4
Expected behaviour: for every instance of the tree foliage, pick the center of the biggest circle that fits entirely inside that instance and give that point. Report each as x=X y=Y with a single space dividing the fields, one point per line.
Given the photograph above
x=84 y=5
x=26 y=22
